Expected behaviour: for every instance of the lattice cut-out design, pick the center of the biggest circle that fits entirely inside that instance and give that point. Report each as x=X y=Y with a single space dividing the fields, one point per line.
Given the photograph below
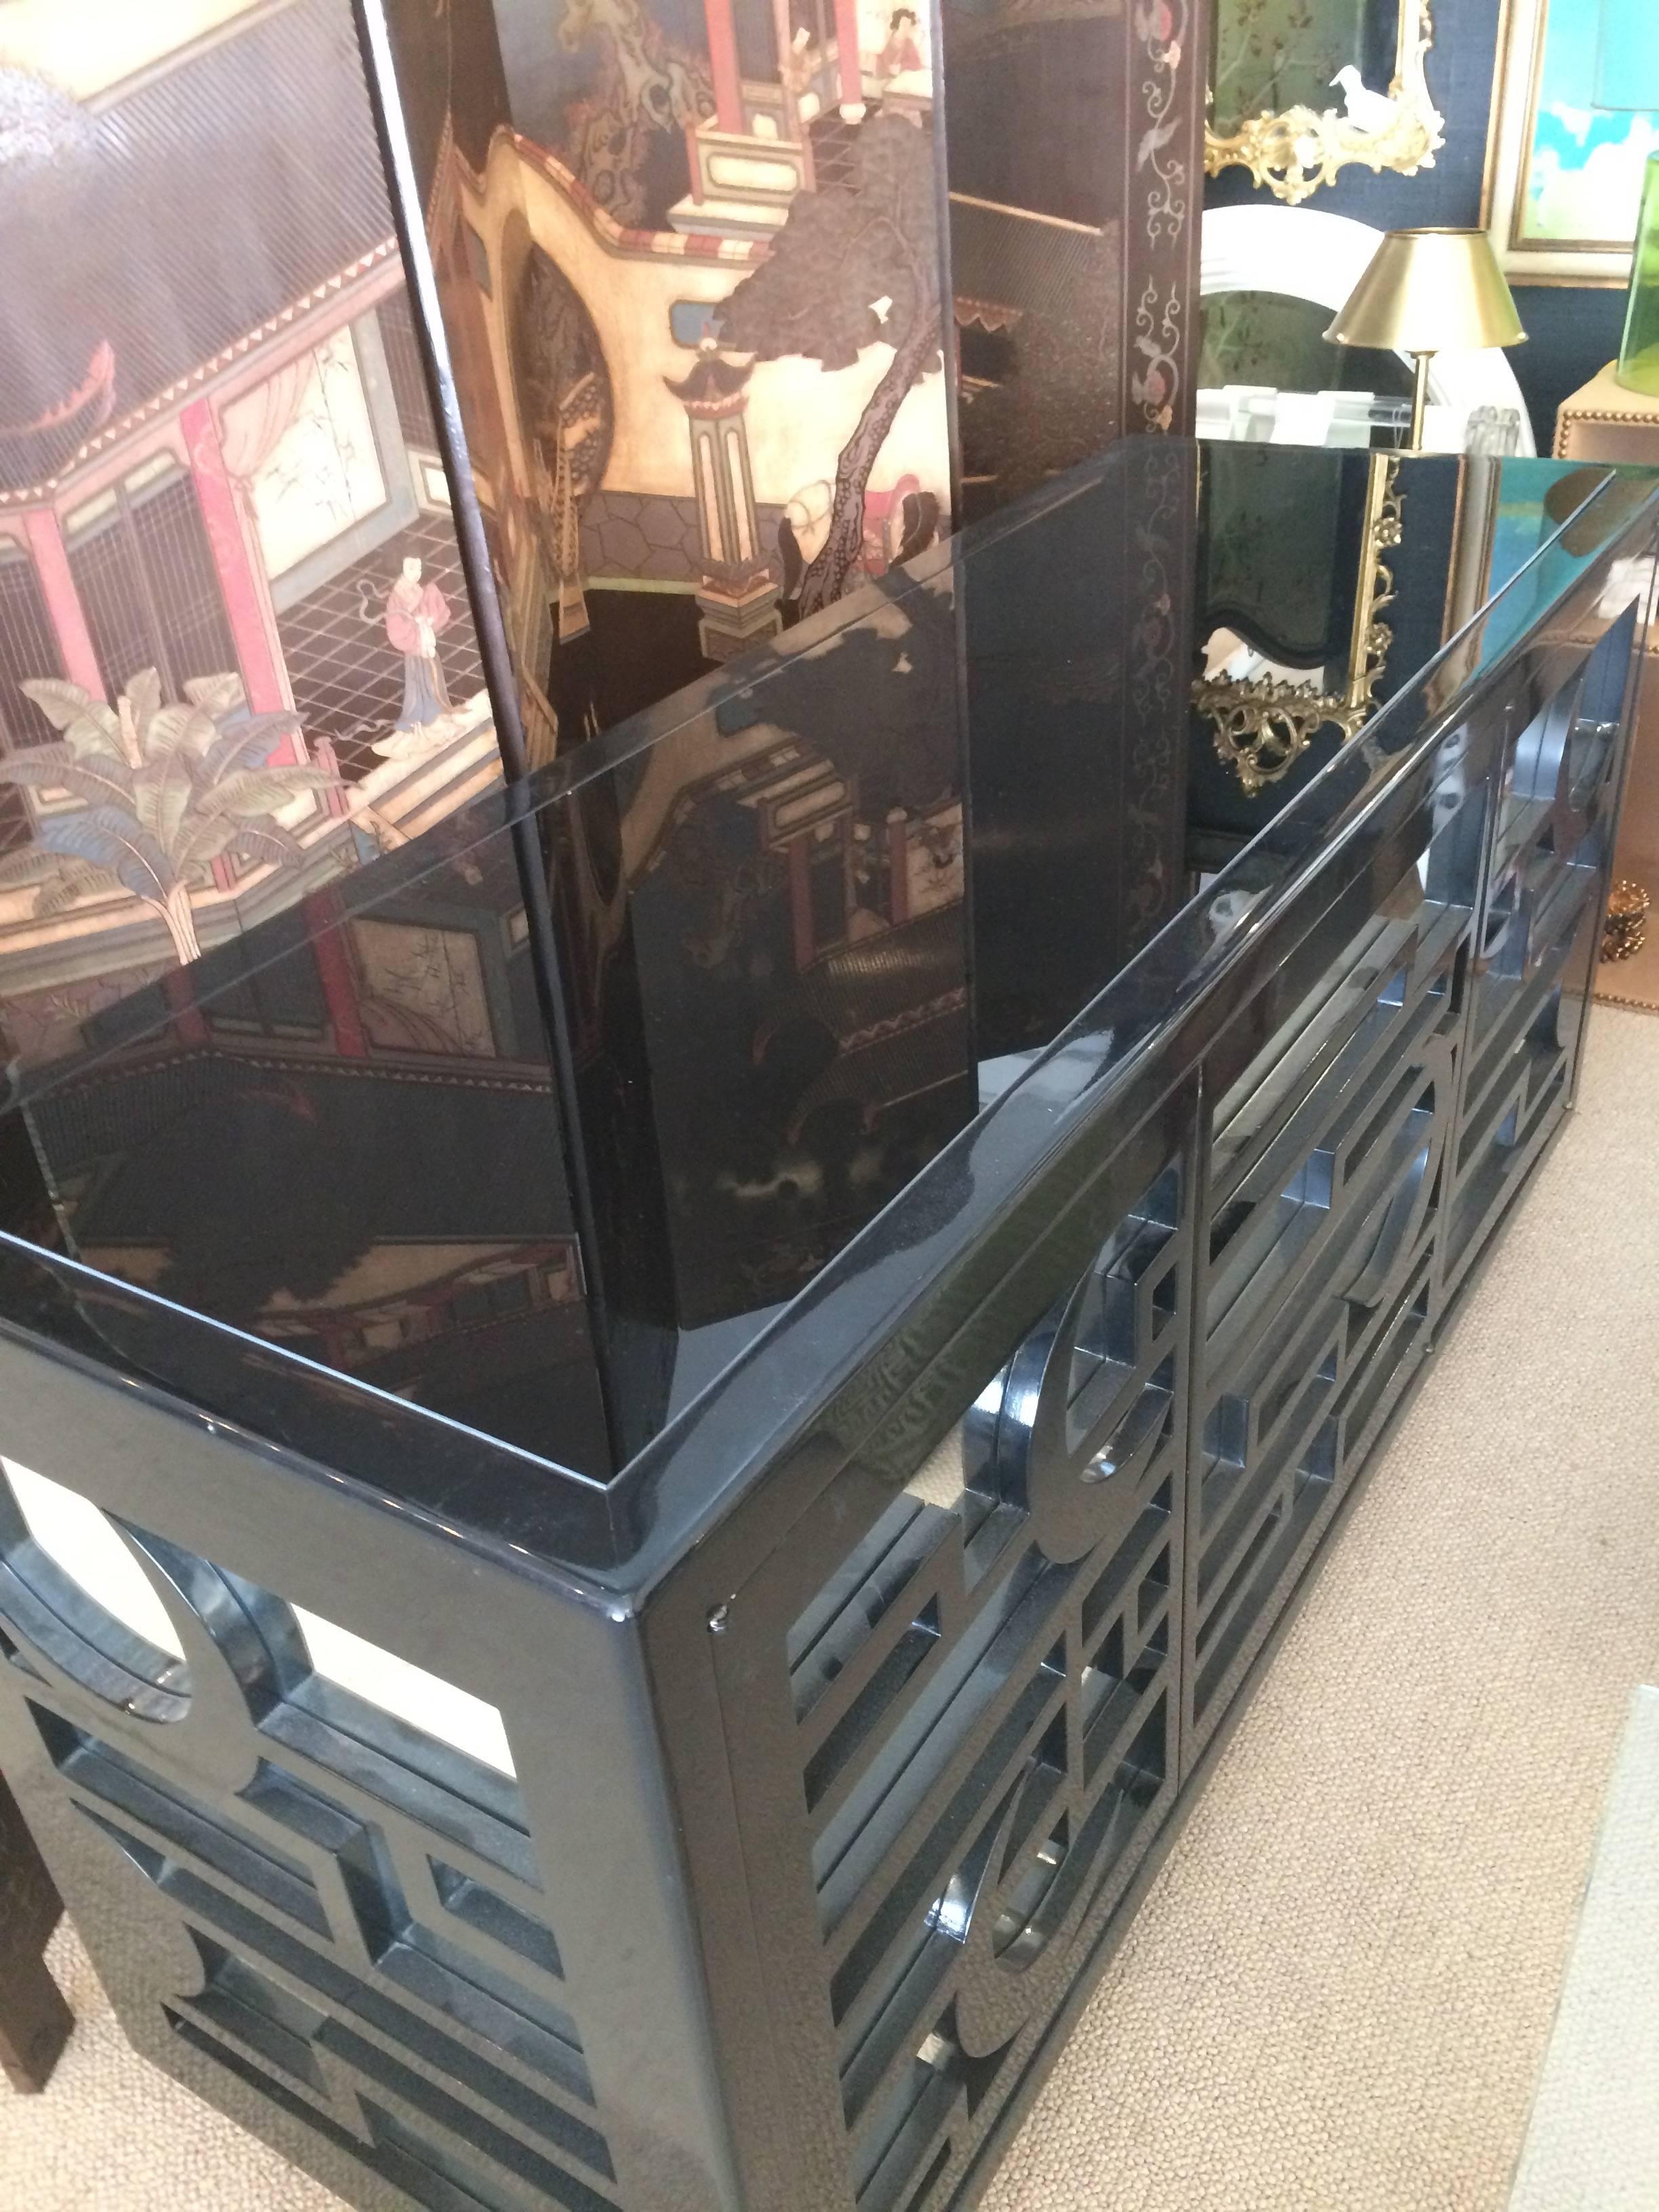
x=934 y=1998
x=1538 y=942
x=983 y=1714
x=361 y=1897
x=1325 y=1190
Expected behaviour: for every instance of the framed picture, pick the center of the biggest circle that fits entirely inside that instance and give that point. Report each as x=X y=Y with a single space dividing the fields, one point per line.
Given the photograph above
x=1578 y=115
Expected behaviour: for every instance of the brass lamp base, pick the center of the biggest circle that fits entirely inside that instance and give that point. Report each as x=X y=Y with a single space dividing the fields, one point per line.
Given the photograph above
x=1420 y=400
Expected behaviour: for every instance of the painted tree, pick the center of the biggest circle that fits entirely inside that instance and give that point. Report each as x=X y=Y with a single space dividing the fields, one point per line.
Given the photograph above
x=166 y=790
x=854 y=265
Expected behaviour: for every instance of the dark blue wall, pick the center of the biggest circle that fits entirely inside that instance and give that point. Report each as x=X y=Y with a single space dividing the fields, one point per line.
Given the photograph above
x=1571 y=332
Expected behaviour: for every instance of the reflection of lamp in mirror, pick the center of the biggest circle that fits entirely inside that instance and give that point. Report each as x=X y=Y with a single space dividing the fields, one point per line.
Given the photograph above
x=1427 y=292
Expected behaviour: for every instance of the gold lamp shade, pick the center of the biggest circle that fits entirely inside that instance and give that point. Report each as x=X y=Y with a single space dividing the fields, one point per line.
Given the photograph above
x=1428 y=292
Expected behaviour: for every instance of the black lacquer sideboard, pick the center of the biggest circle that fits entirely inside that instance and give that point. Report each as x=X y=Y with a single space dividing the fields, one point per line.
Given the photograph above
x=646 y=1453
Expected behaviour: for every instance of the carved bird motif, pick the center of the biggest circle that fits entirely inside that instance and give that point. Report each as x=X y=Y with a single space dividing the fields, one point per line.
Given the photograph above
x=1367 y=111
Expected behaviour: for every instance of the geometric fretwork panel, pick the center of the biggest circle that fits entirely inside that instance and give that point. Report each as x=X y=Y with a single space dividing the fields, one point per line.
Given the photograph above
x=368 y=1926
x=1539 y=945
x=981 y=1698
x=1327 y=1173
x=930 y=2000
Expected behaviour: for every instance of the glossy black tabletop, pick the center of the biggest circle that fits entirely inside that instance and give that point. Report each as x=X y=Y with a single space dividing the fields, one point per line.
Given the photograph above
x=536 y=1120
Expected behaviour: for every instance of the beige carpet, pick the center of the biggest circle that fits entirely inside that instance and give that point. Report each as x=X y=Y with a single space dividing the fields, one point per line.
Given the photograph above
x=1338 y=1995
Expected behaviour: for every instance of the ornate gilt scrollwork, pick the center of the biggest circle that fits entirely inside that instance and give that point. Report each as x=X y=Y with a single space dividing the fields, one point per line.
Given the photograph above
x=1261 y=728
x=1295 y=153
x=1262 y=725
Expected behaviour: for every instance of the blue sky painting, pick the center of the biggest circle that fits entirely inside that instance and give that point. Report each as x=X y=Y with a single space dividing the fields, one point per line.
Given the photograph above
x=1596 y=122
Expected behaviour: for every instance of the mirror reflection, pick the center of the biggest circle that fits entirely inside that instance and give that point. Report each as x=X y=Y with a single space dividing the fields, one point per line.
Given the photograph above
x=1272 y=55
x=1296 y=642
x=804 y=921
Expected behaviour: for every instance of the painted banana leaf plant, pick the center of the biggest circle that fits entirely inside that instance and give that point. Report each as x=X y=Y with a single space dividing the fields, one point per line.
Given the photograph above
x=166 y=791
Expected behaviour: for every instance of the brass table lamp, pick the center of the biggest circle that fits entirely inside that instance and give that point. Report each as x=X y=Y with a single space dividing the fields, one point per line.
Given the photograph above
x=1427 y=292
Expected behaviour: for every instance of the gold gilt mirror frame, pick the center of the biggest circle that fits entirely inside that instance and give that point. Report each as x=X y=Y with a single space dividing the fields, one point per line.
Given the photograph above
x=1262 y=725
x=1296 y=150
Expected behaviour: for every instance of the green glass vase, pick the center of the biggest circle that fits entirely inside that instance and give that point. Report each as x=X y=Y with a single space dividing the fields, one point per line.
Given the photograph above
x=1638 y=357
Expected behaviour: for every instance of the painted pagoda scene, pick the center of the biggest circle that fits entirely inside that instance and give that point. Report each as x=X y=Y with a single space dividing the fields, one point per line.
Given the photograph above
x=691 y=272
x=690 y=279
x=236 y=655
x=690 y=260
